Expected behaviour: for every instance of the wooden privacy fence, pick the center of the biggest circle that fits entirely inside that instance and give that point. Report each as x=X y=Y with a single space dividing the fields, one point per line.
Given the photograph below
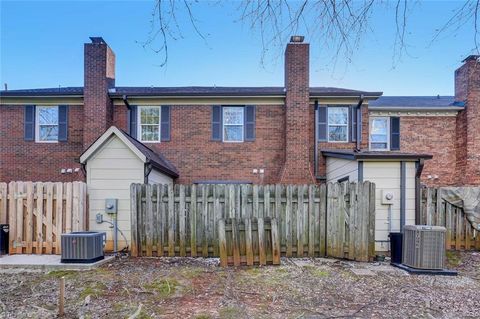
x=435 y=211
x=38 y=213
x=249 y=241
x=336 y=220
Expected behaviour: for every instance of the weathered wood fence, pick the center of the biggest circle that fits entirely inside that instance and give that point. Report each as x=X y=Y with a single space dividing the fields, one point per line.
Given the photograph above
x=335 y=220
x=435 y=211
x=39 y=212
x=249 y=241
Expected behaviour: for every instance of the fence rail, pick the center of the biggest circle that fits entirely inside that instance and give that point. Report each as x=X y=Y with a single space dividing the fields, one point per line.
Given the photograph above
x=328 y=220
x=39 y=212
x=435 y=211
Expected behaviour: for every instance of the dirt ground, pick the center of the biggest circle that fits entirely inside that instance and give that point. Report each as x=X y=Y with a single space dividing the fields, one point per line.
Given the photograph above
x=198 y=288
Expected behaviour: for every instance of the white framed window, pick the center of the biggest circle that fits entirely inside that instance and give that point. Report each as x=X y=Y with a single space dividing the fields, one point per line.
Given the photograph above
x=148 y=128
x=46 y=124
x=337 y=124
x=379 y=133
x=233 y=121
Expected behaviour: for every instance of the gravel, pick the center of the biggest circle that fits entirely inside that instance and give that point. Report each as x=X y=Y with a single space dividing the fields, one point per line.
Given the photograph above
x=199 y=288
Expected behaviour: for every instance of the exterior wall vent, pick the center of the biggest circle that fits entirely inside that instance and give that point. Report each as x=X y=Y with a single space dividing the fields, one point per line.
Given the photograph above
x=82 y=247
x=424 y=246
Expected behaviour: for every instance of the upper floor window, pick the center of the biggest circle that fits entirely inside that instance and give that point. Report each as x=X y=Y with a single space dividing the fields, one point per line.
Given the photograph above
x=46 y=124
x=149 y=119
x=338 y=124
x=380 y=133
x=233 y=121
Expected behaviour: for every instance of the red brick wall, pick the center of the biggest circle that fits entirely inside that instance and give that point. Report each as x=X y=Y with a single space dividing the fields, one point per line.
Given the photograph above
x=467 y=89
x=99 y=76
x=30 y=161
x=322 y=162
x=435 y=135
x=198 y=158
x=298 y=116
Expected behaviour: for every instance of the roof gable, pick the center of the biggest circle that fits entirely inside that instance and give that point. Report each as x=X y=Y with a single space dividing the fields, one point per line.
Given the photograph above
x=144 y=153
x=102 y=141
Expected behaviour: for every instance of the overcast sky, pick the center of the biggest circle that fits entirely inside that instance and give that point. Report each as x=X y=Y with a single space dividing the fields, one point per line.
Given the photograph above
x=42 y=46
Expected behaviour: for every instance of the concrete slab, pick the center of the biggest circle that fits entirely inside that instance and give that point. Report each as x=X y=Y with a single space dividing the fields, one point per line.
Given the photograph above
x=45 y=262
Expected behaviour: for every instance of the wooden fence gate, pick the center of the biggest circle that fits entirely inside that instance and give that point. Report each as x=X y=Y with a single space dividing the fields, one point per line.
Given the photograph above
x=336 y=220
x=435 y=211
x=39 y=212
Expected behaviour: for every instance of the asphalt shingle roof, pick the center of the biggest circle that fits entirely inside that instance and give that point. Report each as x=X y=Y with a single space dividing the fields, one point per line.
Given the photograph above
x=189 y=91
x=416 y=101
x=156 y=159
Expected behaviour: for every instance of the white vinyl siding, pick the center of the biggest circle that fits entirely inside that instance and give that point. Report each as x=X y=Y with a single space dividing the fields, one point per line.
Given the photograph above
x=338 y=168
x=110 y=171
x=386 y=176
x=157 y=177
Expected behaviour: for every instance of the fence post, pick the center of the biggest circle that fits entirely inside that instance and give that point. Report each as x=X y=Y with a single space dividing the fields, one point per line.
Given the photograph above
x=133 y=218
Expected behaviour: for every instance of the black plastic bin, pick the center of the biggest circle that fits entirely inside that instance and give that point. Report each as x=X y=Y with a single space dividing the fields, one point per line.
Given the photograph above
x=396 y=245
x=4 y=231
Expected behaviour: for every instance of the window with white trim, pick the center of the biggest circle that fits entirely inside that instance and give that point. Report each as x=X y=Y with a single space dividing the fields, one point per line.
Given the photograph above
x=233 y=121
x=379 y=133
x=337 y=124
x=149 y=119
x=46 y=124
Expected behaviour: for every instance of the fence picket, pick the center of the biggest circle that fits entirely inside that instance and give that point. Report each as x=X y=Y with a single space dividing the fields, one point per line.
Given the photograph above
x=181 y=221
x=193 y=221
x=3 y=203
x=300 y=214
x=248 y=241
x=29 y=218
x=40 y=215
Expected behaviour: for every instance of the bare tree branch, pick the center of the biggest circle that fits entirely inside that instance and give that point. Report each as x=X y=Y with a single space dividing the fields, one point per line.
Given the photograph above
x=338 y=25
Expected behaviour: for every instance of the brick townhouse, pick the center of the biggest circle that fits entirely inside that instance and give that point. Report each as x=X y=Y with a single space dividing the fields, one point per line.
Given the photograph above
x=242 y=134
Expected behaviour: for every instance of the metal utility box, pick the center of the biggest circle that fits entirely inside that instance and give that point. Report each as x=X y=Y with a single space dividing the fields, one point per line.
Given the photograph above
x=82 y=247
x=424 y=246
x=111 y=206
x=4 y=238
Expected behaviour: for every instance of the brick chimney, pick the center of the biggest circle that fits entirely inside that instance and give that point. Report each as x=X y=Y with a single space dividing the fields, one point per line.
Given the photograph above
x=298 y=118
x=99 y=76
x=467 y=92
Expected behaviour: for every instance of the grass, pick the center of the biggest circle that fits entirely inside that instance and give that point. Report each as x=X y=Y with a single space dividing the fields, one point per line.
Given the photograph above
x=316 y=272
x=165 y=288
x=453 y=258
x=97 y=289
x=62 y=273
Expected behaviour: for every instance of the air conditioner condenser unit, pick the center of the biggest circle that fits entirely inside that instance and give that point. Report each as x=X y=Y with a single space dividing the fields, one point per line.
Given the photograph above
x=82 y=247
x=424 y=247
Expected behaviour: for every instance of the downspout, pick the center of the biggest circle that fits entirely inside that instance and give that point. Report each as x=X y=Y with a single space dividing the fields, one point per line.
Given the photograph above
x=147 y=169
x=315 y=155
x=419 y=168
x=359 y=123
x=125 y=101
